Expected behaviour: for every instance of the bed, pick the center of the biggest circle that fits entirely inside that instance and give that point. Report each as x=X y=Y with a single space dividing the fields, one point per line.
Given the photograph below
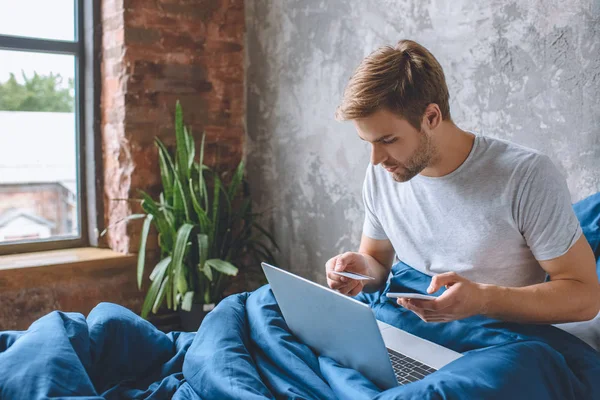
x=243 y=350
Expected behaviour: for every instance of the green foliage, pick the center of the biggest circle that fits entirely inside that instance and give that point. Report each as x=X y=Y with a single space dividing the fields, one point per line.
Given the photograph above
x=203 y=235
x=38 y=93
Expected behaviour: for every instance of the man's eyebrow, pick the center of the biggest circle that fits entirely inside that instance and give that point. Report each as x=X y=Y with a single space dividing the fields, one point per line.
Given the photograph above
x=382 y=138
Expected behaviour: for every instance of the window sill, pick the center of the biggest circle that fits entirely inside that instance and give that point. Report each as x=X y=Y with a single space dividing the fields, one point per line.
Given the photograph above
x=34 y=284
x=85 y=256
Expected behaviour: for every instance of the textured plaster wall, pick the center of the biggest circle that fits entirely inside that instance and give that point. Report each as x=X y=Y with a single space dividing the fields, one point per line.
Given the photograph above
x=527 y=71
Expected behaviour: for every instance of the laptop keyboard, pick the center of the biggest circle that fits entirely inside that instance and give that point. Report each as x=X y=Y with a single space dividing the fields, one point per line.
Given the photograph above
x=406 y=369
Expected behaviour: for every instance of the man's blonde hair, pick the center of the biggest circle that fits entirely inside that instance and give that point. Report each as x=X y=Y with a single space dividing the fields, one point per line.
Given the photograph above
x=404 y=79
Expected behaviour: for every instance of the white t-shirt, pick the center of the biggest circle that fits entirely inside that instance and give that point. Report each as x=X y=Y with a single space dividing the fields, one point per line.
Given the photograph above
x=489 y=220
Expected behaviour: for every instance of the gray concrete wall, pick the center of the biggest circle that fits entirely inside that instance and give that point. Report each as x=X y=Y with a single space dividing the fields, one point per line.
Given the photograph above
x=526 y=71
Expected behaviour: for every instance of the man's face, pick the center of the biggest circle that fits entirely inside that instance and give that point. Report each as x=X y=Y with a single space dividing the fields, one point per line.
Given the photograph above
x=395 y=144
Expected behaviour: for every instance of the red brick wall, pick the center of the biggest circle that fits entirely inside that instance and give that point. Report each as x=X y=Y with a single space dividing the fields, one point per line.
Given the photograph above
x=27 y=294
x=155 y=52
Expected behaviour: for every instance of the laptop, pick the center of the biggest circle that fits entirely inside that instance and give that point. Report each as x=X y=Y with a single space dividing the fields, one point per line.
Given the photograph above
x=344 y=329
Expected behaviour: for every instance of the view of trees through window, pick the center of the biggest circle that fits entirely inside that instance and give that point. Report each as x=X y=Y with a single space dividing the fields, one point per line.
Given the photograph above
x=37 y=93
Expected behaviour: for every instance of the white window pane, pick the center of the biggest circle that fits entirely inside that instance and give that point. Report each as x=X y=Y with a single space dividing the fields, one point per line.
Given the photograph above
x=48 y=19
x=38 y=150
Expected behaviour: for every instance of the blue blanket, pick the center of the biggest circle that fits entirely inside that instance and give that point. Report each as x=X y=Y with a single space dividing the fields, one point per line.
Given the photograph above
x=244 y=350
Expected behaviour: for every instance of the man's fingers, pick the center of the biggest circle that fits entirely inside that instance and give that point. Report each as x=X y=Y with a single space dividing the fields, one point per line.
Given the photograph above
x=333 y=280
x=342 y=287
x=406 y=303
x=433 y=305
x=428 y=316
x=330 y=264
x=357 y=289
x=429 y=305
x=447 y=299
x=347 y=288
x=342 y=261
x=336 y=285
x=447 y=278
x=435 y=319
x=335 y=277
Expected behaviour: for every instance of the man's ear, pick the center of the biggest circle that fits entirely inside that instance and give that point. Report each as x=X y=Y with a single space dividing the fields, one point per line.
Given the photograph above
x=433 y=116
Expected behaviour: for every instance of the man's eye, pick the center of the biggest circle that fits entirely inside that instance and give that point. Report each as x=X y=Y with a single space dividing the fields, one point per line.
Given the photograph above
x=389 y=141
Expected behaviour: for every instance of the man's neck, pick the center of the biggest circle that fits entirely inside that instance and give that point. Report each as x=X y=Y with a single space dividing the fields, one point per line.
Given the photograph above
x=453 y=146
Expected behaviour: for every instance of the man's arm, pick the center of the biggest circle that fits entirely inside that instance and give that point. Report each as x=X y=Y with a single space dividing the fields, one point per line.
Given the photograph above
x=573 y=294
x=546 y=219
x=379 y=256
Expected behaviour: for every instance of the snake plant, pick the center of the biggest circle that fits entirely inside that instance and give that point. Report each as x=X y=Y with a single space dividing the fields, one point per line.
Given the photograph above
x=206 y=227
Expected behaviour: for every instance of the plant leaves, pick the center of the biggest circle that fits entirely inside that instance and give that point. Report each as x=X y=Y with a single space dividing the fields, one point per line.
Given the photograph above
x=267 y=234
x=178 y=253
x=175 y=293
x=160 y=268
x=150 y=298
x=201 y=182
x=207 y=271
x=180 y=203
x=265 y=257
x=236 y=181
x=148 y=204
x=165 y=209
x=202 y=248
x=169 y=295
x=264 y=248
x=165 y=228
x=186 y=210
x=215 y=210
x=182 y=285
x=161 y=295
x=187 y=302
x=167 y=169
x=128 y=218
x=142 y=250
x=223 y=266
x=203 y=220
x=202 y=190
x=152 y=293
x=190 y=146
x=181 y=158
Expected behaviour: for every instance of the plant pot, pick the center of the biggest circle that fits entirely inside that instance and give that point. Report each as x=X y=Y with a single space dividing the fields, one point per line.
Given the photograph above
x=191 y=320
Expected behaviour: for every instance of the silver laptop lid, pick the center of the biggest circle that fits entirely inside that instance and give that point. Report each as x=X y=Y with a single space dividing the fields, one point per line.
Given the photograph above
x=332 y=324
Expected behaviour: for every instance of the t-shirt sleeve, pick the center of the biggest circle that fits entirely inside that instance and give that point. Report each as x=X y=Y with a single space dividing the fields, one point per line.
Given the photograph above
x=545 y=213
x=372 y=226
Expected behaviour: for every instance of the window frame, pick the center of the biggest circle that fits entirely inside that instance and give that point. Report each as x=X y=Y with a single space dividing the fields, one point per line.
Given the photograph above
x=87 y=102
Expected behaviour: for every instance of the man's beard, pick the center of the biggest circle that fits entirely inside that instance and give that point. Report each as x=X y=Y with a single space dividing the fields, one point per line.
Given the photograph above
x=419 y=160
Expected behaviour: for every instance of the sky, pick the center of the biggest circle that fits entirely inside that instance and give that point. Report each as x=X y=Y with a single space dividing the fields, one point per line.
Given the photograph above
x=48 y=19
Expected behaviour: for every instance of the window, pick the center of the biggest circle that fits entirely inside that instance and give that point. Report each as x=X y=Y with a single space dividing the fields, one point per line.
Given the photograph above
x=42 y=130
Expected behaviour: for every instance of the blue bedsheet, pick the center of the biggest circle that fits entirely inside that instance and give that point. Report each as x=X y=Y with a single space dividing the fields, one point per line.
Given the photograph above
x=243 y=350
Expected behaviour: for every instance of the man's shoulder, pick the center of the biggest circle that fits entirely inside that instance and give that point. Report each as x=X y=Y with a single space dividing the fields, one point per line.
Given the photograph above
x=522 y=166
x=510 y=149
x=512 y=156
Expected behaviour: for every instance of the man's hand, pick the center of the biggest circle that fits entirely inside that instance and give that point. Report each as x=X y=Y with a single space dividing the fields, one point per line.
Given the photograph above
x=351 y=262
x=462 y=299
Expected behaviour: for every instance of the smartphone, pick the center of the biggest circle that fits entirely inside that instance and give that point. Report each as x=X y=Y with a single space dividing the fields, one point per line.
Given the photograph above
x=353 y=275
x=411 y=296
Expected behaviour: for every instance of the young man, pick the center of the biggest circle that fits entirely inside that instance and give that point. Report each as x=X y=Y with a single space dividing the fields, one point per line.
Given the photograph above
x=484 y=217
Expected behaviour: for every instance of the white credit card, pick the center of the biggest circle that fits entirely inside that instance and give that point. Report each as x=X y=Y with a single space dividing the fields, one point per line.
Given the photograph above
x=411 y=296
x=353 y=275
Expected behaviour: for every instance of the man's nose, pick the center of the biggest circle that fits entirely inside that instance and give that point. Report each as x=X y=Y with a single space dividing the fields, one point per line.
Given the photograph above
x=377 y=156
